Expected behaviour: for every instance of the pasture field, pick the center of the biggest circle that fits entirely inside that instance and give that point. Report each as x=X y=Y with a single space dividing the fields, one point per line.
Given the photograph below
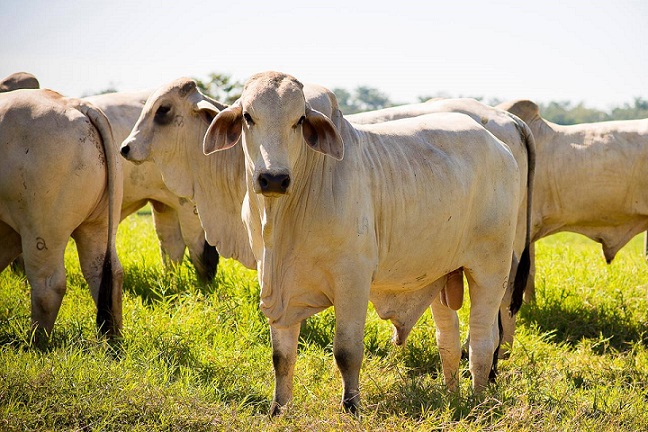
x=198 y=358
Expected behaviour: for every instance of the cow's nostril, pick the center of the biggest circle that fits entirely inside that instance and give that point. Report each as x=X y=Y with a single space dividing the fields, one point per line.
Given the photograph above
x=273 y=183
x=125 y=150
x=285 y=183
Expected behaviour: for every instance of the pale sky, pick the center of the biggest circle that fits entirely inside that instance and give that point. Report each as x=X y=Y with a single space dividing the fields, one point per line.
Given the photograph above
x=590 y=51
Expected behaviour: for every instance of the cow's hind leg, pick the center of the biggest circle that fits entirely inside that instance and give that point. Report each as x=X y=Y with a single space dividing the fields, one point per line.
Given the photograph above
x=284 y=356
x=448 y=341
x=486 y=293
x=45 y=269
x=508 y=320
x=91 y=239
x=11 y=247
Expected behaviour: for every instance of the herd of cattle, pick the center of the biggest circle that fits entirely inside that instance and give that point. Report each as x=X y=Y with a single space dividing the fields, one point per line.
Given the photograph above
x=393 y=206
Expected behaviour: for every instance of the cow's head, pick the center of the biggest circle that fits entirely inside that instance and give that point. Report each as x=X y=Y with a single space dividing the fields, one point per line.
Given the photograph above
x=273 y=120
x=170 y=118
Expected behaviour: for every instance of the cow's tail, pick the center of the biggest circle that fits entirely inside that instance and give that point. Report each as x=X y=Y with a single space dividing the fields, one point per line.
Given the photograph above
x=493 y=372
x=524 y=265
x=106 y=321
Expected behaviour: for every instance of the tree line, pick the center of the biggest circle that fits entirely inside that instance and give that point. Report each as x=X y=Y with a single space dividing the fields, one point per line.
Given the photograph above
x=224 y=88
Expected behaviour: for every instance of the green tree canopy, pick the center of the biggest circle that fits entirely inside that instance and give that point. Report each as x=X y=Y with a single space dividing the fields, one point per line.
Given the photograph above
x=221 y=87
x=363 y=98
x=224 y=88
x=637 y=110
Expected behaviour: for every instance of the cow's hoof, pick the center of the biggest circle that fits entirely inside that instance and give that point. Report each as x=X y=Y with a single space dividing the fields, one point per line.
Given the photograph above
x=276 y=409
x=352 y=405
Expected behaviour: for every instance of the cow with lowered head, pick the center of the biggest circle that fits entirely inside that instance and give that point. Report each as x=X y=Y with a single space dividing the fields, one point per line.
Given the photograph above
x=590 y=178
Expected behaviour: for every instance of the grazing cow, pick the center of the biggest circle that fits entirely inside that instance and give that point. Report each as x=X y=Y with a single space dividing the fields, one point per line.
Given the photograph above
x=333 y=211
x=19 y=80
x=60 y=177
x=590 y=178
x=170 y=133
x=513 y=132
x=176 y=222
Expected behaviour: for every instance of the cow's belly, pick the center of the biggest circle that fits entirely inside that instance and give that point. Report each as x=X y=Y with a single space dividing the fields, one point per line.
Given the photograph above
x=411 y=278
x=410 y=262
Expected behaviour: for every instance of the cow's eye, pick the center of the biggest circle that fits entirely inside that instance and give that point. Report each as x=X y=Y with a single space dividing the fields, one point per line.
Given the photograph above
x=248 y=119
x=301 y=120
x=162 y=116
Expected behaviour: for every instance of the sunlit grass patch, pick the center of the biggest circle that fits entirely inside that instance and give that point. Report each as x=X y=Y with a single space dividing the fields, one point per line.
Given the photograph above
x=197 y=356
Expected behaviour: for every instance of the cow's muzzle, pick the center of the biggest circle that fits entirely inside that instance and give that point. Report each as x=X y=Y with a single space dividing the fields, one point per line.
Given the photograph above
x=127 y=152
x=273 y=184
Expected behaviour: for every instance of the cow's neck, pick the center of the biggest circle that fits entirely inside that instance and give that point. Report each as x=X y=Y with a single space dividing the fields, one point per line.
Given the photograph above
x=218 y=182
x=279 y=226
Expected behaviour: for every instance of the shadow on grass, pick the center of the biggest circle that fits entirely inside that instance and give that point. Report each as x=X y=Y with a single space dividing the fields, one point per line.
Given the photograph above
x=416 y=397
x=570 y=323
x=420 y=355
x=76 y=336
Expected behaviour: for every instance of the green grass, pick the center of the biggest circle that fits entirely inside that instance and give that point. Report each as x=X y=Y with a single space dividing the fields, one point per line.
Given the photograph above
x=197 y=357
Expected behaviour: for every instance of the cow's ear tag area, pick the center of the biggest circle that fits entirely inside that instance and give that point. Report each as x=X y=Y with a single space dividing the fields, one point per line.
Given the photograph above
x=207 y=111
x=321 y=134
x=225 y=130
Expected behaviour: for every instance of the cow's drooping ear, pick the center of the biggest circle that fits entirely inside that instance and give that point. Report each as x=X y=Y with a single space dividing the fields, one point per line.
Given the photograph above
x=206 y=111
x=321 y=135
x=225 y=130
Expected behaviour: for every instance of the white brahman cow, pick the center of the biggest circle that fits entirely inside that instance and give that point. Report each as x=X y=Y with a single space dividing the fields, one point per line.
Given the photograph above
x=18 y=80
x=590 y=178
x=169 y=133
x=341 y=215
x=60 y=177
x=516 y=134
x=176 y=222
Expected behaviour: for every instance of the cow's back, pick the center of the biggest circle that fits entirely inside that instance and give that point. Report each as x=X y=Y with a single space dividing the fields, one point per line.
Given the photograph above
x=507 y=128
x=421 y=190
x=122 y=109
x=52 y=159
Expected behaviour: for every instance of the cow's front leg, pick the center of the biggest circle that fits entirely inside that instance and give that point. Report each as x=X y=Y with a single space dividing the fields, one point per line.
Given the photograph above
x=348 y=345
x=284 y=356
